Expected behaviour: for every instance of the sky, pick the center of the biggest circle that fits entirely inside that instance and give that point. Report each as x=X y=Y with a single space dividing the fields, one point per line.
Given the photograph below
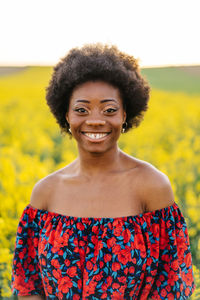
x=157 y=32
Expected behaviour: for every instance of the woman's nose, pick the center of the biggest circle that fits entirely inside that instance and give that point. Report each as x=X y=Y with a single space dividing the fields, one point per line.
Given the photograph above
x=95 y=122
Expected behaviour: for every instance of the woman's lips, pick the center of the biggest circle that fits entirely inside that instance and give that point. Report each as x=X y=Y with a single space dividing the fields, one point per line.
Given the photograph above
x=96 y=136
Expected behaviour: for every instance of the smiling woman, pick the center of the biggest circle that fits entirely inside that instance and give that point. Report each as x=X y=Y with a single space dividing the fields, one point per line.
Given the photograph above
x=105 y=226
x=95 y=121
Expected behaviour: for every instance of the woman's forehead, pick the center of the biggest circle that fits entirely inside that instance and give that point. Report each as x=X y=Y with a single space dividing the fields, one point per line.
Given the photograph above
x=99 y=90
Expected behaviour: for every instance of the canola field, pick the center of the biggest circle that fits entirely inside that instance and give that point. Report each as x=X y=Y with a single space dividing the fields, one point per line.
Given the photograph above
x=31 y=147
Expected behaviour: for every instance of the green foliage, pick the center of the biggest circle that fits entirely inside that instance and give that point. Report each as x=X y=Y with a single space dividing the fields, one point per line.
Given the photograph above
x=31 y=147
x=175 y=79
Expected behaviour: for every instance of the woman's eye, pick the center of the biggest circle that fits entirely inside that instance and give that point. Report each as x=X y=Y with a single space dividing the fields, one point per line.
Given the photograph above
x=81 y=110
x=110 y=110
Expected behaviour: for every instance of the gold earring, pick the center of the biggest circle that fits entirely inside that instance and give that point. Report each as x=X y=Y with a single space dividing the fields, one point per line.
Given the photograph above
x=69 y=129
x=124 y=126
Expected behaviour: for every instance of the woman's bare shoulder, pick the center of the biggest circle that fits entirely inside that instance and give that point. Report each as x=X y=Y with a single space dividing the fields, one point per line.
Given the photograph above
x=44 y=189
x=154 y=187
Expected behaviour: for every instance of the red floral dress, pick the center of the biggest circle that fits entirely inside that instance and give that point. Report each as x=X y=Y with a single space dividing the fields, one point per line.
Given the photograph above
x=133 y=257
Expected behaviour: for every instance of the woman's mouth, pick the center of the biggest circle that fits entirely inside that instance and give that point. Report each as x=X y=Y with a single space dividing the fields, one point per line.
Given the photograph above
x=96 y=136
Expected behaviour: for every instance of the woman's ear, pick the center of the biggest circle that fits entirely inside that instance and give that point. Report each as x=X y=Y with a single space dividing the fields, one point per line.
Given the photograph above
x=66 y=117
x=124 y=119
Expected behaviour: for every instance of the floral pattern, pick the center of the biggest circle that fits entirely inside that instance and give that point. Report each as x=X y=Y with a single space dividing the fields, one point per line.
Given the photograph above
x=132 y=257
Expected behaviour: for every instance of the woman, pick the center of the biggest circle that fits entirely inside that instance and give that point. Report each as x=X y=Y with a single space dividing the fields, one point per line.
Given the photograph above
x=105 y=226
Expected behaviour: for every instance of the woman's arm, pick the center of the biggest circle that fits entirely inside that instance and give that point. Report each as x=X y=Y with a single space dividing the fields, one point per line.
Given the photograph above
x=32 y=297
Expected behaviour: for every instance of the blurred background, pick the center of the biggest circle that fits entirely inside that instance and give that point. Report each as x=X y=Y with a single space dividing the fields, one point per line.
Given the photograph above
x=163 y=35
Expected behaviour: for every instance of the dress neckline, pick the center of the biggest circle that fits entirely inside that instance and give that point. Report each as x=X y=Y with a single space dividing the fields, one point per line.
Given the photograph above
x=149 y=213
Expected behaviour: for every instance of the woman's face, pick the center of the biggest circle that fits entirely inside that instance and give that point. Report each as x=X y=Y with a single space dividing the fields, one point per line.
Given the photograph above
x=96 y=115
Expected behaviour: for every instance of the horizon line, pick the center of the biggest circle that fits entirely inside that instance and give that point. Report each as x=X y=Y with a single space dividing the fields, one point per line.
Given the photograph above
x=140 y=66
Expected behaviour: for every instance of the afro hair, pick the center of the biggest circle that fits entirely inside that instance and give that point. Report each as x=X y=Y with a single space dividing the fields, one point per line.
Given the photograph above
x=98 y=62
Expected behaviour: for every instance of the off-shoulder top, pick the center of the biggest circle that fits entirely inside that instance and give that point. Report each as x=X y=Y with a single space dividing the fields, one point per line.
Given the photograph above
x=133 y=257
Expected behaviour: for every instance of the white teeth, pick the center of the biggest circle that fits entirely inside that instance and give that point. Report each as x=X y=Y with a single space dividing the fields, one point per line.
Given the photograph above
x=95 y=135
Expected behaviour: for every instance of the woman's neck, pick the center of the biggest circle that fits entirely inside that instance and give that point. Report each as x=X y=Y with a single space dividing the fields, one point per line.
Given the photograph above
x=95 y=164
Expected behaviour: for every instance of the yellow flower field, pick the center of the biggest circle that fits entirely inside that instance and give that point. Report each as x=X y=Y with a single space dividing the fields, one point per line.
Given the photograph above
x=31 y=147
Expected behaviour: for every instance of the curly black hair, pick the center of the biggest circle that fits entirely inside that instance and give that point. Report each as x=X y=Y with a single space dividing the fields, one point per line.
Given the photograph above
x=98 y=62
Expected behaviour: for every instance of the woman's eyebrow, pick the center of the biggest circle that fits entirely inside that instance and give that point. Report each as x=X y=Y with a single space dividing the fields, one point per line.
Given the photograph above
x=102 y=101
